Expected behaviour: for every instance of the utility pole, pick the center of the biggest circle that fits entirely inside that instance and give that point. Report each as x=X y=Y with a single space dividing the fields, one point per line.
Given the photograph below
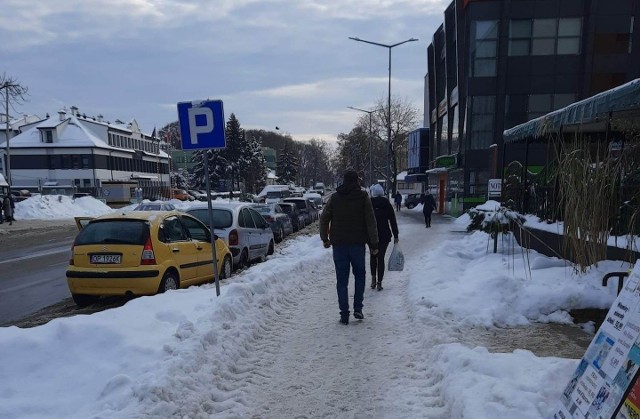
x=14 y=90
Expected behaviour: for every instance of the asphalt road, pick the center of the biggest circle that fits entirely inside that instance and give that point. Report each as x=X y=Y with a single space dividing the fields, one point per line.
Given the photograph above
x=32 y=271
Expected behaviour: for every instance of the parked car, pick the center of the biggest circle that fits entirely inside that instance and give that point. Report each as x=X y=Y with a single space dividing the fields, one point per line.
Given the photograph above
x=198 y=195
x=245 y=231
x=296 y=217
x=155 y=206
x=316 y=198
x=278 y=220
x=141 y=253
x=412 y=200
x=181 y=194
x=306 y=207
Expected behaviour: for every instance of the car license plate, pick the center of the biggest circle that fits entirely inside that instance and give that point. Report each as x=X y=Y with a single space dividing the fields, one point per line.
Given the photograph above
x=109 y=259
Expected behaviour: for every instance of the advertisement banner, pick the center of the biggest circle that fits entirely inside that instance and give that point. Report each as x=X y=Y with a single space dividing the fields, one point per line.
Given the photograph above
x=604 y=384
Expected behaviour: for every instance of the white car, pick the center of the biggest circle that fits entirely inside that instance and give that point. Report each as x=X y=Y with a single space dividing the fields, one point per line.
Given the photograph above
x=246 y=232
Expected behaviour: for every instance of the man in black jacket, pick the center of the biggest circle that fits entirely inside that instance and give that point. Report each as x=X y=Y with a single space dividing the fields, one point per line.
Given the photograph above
x=348 y=223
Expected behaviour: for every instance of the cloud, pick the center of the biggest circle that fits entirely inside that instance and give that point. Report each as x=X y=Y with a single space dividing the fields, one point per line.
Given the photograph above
x=40 y=22
x=363 y=10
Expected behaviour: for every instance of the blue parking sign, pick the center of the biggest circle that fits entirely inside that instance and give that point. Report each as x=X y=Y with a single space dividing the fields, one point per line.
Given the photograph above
x=201 y=124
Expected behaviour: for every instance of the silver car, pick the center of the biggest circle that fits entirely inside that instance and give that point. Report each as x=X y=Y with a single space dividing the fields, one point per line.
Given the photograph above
x=245 y=231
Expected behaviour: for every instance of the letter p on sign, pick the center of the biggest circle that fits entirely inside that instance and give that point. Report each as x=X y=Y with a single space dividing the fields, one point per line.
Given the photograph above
x=194 y=128
x=201 y=124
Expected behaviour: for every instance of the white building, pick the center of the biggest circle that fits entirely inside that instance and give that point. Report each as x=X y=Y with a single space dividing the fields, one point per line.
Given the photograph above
x=72 y=152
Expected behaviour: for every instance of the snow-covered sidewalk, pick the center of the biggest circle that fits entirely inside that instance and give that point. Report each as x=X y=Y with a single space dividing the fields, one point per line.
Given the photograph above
x=271 y=345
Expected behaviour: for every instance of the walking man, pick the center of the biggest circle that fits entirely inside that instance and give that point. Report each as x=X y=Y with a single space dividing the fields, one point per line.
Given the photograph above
x=348 y=223
x=397 y=198
x=428 y=206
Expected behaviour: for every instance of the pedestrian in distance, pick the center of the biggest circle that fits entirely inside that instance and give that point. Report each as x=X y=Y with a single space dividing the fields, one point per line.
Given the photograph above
x=6 y=207
x=397 y=198
x=385 y=218
x=348 y=224
x=1 y=205
x=428 y=206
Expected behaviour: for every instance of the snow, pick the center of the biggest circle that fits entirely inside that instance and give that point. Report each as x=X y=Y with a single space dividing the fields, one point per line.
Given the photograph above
x=271 y=346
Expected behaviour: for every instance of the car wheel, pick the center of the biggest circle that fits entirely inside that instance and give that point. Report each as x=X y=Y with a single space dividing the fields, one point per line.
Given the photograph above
x=83 y=300
x=226 y=268
x=411 y=206
x=271 y=248
x=244 y=259
x=281 y=234
x=169 y=282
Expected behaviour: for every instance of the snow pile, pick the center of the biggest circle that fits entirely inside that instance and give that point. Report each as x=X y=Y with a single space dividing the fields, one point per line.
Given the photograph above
x=57 y=207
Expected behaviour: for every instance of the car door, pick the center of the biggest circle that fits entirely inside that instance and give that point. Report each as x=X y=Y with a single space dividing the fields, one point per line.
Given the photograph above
x=201 y=238
x=182 y=249
x=247 y=233
x=264 y=234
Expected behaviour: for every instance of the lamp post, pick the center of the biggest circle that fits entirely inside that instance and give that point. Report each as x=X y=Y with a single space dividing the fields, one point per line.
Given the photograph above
x=370 y=153
x=388 y=99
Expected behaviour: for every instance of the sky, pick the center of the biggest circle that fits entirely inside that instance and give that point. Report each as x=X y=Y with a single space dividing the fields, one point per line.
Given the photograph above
x=285 y=63
x=432 y=344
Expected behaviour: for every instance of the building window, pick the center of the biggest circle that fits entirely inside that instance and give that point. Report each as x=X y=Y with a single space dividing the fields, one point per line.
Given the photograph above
x=54 y=162
x=543 y=104
x=519 y=37
x=49 y=135
x=444 y=136
x=545 y=36
x=455 y=136
x=85 y=161
x=66 y=161
x=482 y=122
x=484 y=48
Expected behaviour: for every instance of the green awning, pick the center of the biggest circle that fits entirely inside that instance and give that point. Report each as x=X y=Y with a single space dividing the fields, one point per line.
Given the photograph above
x=591 y=110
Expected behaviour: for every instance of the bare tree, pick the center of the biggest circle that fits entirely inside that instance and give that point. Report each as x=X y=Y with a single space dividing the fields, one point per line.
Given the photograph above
x=13 y=93
x=405 y=117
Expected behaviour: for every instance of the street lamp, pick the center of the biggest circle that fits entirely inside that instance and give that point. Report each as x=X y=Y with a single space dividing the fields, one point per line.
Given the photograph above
x=388 y=99
x=370 y=153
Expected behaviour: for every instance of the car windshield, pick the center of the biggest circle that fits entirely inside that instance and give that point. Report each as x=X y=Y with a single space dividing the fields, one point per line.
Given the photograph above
x=221 y=218
x=114 y=232
x=274 y=194
x=263 y=209
x=285 y=208
x=299 y=203
x=154 y=207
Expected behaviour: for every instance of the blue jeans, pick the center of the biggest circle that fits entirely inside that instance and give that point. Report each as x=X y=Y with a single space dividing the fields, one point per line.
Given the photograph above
x=346 y=257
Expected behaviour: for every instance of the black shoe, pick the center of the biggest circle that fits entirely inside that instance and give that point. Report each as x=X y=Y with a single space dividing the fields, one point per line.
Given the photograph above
x=358 y=315
x=344 y=320
x=380 y=286
x=373 y=283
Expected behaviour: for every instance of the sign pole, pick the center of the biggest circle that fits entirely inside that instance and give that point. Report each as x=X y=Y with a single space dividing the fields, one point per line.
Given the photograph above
x=213 y=236
x=202 y=127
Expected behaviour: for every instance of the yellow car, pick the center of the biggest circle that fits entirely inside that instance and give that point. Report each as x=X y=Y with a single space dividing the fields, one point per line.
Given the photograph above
x=142 y=253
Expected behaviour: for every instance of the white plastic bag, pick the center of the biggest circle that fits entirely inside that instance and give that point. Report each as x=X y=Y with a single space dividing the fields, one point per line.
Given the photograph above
x=396 y=259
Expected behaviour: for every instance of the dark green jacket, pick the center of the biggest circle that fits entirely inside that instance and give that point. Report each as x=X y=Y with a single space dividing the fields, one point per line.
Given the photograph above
x=348 y=218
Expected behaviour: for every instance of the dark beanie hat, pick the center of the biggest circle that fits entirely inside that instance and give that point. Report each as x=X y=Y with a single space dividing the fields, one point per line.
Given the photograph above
x=350 y=176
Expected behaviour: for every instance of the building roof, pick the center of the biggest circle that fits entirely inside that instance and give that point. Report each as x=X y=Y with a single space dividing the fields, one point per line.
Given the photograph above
x=594 y=109
x=73 y=131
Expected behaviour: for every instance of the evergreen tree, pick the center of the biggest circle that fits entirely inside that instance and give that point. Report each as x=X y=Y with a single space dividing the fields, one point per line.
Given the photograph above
x=287 y=168
x=170 y=134
x=218 y=169
x=256 y=174
x=180 y=179
x=237 y=152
